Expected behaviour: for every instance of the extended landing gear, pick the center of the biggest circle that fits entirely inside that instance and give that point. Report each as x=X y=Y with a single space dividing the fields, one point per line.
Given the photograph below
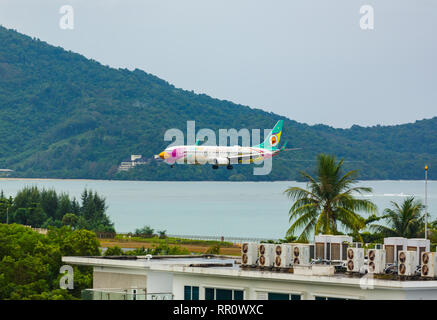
x=172 y=166
x=229 y=167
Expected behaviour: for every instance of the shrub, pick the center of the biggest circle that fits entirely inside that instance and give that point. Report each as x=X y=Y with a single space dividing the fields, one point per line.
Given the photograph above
x=114 y=251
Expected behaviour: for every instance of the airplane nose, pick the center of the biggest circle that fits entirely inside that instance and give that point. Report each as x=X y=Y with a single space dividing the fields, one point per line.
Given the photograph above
x=164 y=155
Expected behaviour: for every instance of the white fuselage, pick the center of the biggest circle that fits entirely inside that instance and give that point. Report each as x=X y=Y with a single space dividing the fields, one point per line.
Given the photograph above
x=216 y=155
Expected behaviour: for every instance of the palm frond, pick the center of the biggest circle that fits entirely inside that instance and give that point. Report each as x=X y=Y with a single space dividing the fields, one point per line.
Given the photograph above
x=303 y=220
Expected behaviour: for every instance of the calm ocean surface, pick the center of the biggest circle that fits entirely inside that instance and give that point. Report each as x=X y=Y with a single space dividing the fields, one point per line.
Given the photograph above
x=240 y=209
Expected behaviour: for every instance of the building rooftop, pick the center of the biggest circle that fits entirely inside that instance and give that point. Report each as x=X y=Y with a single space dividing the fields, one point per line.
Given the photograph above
x=229 y=266
x=206 y=261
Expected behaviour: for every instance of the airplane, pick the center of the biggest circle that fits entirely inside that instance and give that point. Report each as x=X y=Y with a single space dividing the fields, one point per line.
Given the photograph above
x=224 y=155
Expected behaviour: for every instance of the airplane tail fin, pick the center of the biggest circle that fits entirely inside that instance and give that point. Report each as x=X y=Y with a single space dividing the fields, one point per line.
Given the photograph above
x=273 y=138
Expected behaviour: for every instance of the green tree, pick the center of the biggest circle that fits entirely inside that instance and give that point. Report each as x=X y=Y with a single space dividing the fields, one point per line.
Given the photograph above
x=404 y=220
x=329 y=202
x=49 y=203
x=80 y=243
x=366 y=235
x=215 y=249
x=35 y=215
x=20 y=216
x=145 y=231
x=165 y=249
x=76 y=243
x=27 y=197
x=69 y=219
x=65 y=205
x=138 y=252
x=93 y=212
x=113 y=251
x=30 y=263
x=5 y=208
x=46 y=208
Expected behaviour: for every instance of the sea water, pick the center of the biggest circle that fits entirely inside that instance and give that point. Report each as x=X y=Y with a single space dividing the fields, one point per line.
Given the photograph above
x=238 y=209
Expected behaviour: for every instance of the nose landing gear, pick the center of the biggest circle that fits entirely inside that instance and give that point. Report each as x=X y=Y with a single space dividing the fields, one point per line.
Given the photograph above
x=229 y=167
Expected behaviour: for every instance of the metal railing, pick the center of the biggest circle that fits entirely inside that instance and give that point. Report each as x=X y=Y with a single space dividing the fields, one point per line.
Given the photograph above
x=123 y=294
x=235 y=240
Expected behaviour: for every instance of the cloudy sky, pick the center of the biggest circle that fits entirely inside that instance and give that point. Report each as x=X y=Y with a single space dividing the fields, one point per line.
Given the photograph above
x=306 y=59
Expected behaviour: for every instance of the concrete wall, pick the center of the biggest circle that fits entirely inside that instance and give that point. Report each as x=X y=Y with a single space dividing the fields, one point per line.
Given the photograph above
x=254 y=288
x=159 y=282
x=104 y=277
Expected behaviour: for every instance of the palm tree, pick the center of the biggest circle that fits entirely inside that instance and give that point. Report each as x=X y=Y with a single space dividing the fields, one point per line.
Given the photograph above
x=405 y=220
x=328 y=201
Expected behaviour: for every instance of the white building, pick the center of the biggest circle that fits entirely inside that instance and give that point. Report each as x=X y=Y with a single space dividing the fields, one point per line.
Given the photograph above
x=220 y=277
x=135 y=159
x=5 y=172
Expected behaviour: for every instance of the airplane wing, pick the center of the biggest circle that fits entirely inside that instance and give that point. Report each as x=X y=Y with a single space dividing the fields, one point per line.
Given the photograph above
x=291 y=149
x=251 y=157
x=246 y=158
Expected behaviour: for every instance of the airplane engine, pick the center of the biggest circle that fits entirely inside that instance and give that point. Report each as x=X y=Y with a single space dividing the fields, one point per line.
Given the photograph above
x=222 y=161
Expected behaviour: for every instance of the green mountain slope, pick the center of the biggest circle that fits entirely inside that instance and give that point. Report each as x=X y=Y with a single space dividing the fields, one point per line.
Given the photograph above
x=64 y=116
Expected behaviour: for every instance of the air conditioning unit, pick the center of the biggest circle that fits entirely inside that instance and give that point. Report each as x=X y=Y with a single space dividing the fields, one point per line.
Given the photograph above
x=355 y=259
x=249 y=254
x=266 y=253
x=282 y=255
x=407 y=263
x=429 y=264
x=376 y=261
x=300 y=255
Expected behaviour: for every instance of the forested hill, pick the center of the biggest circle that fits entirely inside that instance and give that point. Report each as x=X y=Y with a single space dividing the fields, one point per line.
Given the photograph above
x=64 y=116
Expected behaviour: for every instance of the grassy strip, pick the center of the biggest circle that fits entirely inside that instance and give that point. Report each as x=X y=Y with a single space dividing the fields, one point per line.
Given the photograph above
x=192 y=248
x=170 y=240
